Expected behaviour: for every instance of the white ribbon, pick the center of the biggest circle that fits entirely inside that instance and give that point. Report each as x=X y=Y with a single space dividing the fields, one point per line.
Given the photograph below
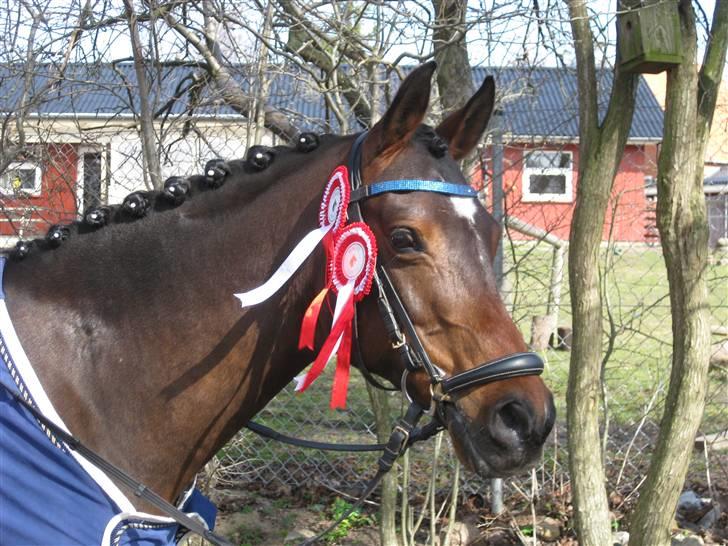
x=286 y=270
x=344 y=294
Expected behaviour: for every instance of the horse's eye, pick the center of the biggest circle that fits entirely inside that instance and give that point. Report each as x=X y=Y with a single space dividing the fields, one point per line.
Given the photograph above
x=405 y=240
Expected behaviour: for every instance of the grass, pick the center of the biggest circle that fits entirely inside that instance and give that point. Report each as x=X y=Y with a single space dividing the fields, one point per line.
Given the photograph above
x=636 y=286
x=353 y=520
x=248 y=536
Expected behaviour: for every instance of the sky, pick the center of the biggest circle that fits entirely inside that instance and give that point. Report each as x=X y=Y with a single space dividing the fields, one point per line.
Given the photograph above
x=507 y=37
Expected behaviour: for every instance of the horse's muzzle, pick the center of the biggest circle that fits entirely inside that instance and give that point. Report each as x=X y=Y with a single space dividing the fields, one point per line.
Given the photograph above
x=506 y=440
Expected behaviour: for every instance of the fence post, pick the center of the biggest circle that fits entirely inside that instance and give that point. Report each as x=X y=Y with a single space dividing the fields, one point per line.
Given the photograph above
x=496 y=484
x=496 y=124
x=557 y=273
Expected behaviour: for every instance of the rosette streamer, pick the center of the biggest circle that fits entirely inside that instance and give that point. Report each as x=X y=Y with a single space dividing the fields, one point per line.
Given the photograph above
x=351 y=253
x=350 y=271
x=332 y=215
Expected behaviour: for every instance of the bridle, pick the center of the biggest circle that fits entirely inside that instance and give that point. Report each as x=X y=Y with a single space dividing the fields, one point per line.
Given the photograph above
x=402 y=333
x=405 y=341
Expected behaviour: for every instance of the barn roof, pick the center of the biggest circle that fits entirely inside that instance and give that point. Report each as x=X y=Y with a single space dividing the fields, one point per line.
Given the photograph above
x=537 y=103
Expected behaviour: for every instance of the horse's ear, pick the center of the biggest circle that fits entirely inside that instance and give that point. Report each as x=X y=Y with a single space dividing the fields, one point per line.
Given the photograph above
x=463 y=128
x=394 y=130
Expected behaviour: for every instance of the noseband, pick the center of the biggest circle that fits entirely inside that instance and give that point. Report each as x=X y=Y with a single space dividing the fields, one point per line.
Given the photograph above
x=397 y=322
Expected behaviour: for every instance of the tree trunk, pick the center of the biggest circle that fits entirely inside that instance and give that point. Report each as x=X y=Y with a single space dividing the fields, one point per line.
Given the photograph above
x=146 y=114
x=600 y=151
x=388 y=507
x=454 y=75
x=380 y=401
x=683 y=227
x=263 y=77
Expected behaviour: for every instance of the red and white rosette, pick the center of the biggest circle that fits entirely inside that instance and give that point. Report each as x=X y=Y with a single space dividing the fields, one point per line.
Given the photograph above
x=332 y=215
x=335 y=201
x=354 y=259
x=351 y=270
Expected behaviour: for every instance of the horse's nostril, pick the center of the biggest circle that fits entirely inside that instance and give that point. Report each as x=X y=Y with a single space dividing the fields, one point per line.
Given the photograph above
x=515 y=416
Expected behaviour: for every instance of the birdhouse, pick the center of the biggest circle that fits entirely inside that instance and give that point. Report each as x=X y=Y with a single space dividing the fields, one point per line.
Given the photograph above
x=649 y=38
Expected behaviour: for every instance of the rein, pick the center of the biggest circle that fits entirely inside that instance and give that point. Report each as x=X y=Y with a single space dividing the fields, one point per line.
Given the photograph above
x=406 y=342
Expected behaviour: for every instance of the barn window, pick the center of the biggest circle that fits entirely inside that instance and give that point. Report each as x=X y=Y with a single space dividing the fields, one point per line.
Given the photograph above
x=92 y=172
x=21 y=179
x=547 y=176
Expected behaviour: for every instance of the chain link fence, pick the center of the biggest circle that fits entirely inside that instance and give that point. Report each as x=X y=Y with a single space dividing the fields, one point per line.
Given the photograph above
x=636 y=375
x=65 y=169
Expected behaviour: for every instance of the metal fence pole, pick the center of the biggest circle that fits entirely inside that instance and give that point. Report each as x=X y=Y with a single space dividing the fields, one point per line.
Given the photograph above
x=496 y=484
x=498 y=209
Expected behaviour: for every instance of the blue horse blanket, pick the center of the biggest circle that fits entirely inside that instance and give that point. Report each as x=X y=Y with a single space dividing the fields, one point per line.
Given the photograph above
x=52 y=496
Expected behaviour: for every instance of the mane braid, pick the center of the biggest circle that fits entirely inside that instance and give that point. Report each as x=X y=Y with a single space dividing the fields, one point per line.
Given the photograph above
x=139 y=204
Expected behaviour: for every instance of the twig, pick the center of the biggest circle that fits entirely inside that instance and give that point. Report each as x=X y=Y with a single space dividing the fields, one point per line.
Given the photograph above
x=636 y=432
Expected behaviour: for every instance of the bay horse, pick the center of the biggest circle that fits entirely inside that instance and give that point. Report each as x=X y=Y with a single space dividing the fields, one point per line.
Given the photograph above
x=143 y=352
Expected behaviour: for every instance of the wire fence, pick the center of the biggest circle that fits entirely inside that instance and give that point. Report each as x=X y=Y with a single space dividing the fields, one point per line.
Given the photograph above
x=636 y=376
x=62 y=171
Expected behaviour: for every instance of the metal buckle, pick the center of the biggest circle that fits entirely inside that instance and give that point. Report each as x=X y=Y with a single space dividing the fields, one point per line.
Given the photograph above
x=398 y=344
x=405 y=437
x=436 y=397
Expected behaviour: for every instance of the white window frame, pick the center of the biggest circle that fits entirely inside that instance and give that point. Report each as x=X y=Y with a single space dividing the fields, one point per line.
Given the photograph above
x=531 y=197
x=81 y=151
x=35 y=192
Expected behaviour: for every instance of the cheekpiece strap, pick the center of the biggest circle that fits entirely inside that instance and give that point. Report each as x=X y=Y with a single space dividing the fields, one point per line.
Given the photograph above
x=436 y=186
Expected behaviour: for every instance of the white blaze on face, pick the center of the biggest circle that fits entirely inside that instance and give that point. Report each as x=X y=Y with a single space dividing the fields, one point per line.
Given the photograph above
x=467 y=207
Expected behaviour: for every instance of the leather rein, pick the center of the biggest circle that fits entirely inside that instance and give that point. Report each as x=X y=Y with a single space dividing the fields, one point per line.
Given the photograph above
x=405 y=340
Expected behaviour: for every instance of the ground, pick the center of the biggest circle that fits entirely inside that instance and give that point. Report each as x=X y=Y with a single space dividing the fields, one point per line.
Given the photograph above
x=265 y=516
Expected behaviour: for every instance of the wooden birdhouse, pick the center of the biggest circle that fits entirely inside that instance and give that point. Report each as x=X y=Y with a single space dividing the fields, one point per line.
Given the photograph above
x=649 y=38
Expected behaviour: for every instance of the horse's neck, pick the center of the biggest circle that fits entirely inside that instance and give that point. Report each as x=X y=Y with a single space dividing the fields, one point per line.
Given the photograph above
x=145 y=344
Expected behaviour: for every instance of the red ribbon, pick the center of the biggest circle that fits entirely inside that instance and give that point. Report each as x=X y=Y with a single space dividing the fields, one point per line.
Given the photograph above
x=341 y=326
x=337 y=242
x=310 y=318
x=341 y=377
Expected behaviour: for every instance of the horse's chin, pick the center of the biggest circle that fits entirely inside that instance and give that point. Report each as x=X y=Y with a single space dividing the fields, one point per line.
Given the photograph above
x=479 y=454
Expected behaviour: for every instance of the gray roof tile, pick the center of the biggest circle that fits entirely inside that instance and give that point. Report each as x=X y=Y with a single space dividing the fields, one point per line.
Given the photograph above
x=536 y=102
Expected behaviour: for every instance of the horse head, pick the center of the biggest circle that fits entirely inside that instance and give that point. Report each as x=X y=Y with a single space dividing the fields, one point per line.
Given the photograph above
x=437 y=249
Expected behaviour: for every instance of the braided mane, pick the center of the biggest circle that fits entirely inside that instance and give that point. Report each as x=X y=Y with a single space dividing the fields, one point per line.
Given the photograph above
x=177 y=190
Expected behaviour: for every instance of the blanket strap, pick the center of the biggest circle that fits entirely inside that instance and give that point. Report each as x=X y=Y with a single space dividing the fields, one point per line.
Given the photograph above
x=140 y=490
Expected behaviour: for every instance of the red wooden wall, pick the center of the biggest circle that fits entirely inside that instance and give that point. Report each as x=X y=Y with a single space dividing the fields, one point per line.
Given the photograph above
x=31 y=216
x=627 y=215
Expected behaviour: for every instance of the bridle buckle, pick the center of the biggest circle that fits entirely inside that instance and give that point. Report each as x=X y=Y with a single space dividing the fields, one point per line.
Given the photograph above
x=437 y=397
x=437 y=394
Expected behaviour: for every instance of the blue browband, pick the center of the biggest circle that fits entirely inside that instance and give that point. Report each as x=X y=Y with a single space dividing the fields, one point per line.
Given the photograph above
x=436 y=186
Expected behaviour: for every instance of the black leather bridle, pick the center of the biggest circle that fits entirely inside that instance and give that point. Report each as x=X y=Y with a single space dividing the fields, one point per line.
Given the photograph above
x=397 y=322
x=404 y=339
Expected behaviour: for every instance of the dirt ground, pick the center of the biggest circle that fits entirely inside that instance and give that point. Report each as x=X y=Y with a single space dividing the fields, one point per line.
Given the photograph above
x=269 y=516
x=278 y=517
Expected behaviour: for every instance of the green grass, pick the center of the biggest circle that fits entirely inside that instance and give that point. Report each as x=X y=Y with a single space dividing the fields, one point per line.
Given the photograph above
x=637 y=293
x=353 y=520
